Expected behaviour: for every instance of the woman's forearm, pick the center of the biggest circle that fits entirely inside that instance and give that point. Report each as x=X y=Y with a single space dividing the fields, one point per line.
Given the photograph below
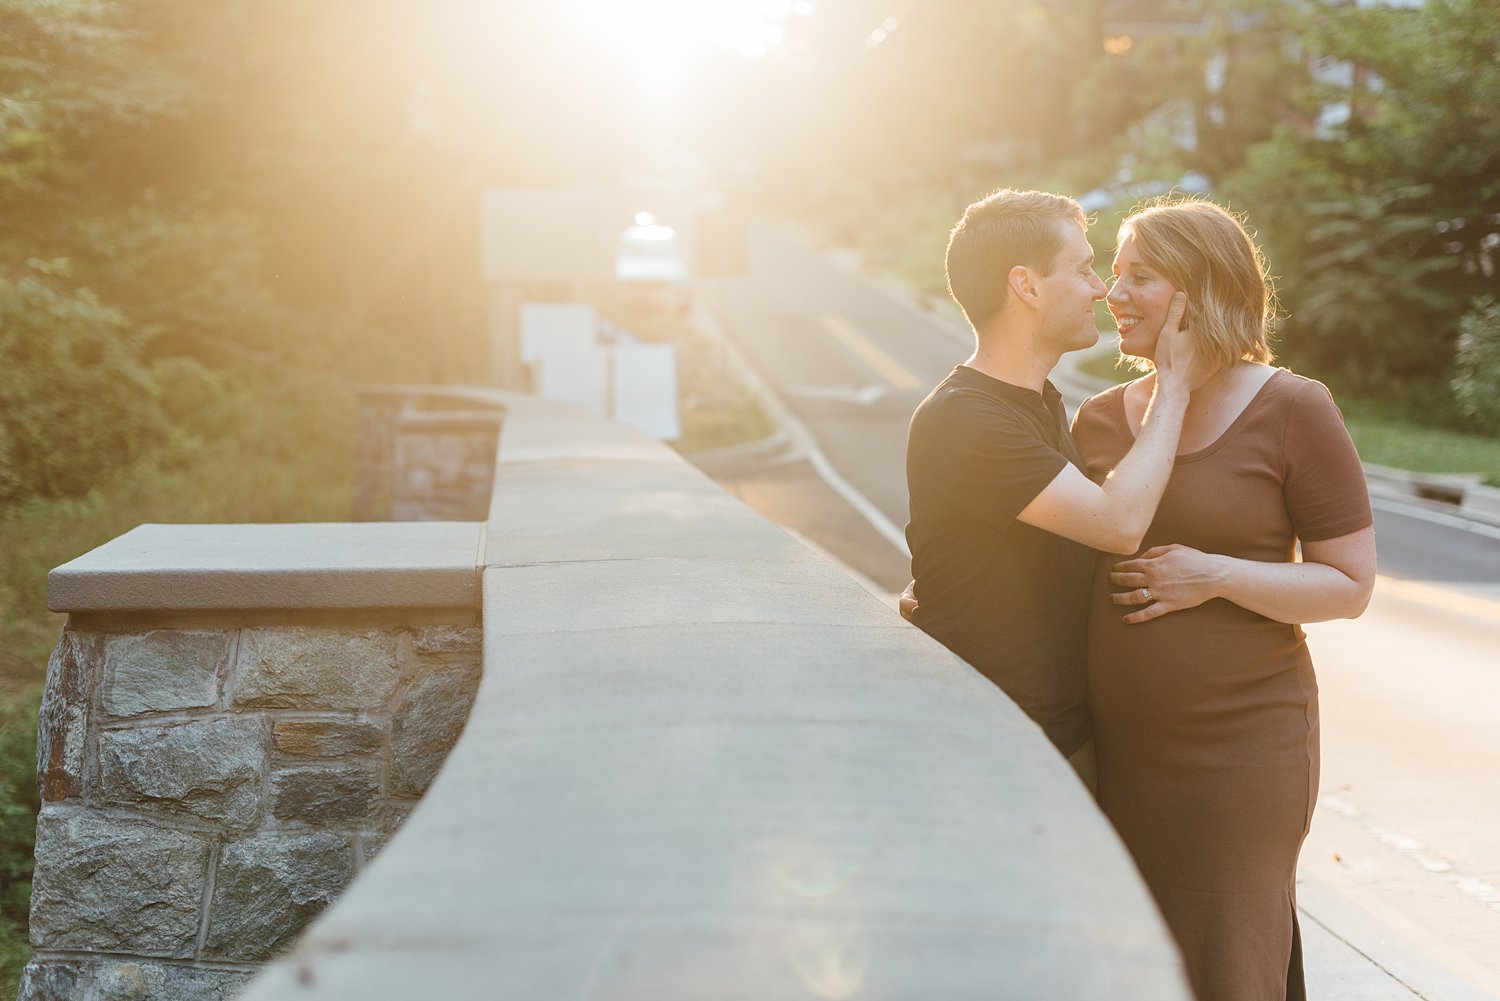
x=1291 y=592
x=1334 y=581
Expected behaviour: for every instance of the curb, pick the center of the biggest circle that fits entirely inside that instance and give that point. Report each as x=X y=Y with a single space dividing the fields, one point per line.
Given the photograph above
x=1459 y=494
x=800 y=442
x=773 y=450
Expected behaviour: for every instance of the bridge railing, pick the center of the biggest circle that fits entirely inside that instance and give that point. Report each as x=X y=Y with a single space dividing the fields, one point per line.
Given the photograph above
x=701 y=762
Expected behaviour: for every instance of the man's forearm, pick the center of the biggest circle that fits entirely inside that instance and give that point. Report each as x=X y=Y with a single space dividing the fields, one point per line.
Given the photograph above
x=1135 y=486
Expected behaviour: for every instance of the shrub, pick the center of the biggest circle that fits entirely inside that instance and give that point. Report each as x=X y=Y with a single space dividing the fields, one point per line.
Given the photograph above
x=18 y=807
x=1476 y=383
x=75 y=401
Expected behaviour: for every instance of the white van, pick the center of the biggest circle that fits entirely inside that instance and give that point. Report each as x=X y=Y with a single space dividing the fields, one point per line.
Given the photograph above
x=650 y=265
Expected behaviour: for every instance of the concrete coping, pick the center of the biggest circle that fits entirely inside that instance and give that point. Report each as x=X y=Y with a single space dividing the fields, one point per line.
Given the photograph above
x=383 y=565
x=703 y=762
x=434 y=397
x=450 y=420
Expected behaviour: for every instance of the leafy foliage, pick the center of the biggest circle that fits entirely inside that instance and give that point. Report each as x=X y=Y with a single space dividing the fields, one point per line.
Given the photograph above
x=1476 y=384
x=1384 y=230
x=18 y=808
x=76 y=401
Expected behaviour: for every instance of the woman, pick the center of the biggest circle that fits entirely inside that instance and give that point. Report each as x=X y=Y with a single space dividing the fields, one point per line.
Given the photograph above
x=1203 y=695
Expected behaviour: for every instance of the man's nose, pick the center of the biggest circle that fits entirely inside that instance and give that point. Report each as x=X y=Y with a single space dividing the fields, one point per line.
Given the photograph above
x=1100 y=289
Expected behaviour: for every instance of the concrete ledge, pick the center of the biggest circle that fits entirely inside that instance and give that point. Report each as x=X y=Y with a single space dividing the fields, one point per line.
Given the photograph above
x=426 y=396
x=450 y=420
x=704 y=763
x=310 y=566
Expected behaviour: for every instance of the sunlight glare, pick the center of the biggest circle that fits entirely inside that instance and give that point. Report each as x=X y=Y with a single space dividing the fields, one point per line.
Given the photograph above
x=660 y=35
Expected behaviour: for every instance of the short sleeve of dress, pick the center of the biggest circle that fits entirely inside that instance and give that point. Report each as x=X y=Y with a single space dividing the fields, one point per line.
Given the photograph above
x=1324 y=483
x=994 y=458
x=1094 y=431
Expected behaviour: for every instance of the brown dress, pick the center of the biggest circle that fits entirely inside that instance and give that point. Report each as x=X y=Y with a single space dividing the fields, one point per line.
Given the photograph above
x=1207 y=718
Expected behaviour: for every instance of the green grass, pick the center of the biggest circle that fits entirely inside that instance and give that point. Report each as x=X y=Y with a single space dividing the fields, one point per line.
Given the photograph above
x=1382 y=438
x=1107 y=368
x=717 y=409
x=1405 y=445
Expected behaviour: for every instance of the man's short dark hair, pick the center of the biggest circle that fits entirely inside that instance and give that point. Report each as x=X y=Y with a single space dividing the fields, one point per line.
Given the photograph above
x=998 y=232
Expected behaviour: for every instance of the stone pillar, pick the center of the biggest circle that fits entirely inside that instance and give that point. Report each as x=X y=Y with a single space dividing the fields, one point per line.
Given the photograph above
x=444 y=465
x=212 y=778
x=425 y=453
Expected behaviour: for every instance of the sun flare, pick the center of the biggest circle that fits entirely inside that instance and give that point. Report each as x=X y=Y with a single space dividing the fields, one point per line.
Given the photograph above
x=658 y=36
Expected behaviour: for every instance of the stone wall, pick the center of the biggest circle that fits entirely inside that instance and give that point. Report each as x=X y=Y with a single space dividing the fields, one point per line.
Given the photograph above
x=444 y=466
x=208 y=791
x=424 y=453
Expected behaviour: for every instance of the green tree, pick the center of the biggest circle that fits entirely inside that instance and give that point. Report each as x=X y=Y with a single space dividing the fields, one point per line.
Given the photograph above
x=1382 y=230
x=76 y=401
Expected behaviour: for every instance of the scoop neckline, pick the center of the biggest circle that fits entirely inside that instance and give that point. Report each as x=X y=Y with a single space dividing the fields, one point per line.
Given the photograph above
x=1124 y=422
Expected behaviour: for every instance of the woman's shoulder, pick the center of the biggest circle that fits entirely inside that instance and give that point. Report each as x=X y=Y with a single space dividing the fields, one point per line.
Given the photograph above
x=1109 y=401
x=1301 y=392
x=1106 y=399
x=1102 y=412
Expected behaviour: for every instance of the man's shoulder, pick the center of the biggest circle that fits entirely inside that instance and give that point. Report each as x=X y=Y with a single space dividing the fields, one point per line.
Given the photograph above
x=957 y=400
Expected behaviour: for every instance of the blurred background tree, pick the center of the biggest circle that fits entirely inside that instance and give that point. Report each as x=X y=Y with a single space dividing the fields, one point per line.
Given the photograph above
x=1384 y=225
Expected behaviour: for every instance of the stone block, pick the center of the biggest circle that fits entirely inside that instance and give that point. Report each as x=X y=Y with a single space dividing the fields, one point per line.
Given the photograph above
x=139 y=981
x=51 y=980
x=109 y=885
x=326 y=738
x=311 y=668
x=269 y=888
x=447 y=639
x=325 y=796
x=163 y=670
x=371 y=845
x=388 y=819
x=62 y=732
x=209 y=768
x=427 y=724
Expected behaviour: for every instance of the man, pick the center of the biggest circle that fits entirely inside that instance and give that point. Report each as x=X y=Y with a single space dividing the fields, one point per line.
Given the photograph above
x=1004 y=523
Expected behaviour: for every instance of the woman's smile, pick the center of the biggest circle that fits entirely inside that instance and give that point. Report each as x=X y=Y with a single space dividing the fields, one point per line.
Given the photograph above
x=1139 y=295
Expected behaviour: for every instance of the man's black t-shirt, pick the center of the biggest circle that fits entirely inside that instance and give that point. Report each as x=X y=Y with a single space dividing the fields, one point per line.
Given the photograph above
x=1010 y=599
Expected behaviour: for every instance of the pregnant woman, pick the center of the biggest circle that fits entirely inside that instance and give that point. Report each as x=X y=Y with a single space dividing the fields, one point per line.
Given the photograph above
x=1203 y=695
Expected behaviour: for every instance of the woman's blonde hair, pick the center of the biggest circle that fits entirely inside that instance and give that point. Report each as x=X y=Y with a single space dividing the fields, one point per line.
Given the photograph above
x=1207 y=253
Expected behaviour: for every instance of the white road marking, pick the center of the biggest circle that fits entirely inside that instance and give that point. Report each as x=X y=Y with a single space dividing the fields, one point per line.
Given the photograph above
x=803 y=439
x=863 y=348
x=1415 y=850
x=864 y=396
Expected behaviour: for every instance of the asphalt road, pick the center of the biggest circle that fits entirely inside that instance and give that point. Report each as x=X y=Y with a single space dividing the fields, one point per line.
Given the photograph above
x=852 y=360
x=1403 y=863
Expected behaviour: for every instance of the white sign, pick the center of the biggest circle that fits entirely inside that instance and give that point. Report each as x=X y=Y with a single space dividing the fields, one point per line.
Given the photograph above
x=563 y=326
x=645 y=389
x=575 y=374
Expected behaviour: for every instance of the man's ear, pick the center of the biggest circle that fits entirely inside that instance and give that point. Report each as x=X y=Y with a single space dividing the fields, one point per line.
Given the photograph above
x=1023 y=285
